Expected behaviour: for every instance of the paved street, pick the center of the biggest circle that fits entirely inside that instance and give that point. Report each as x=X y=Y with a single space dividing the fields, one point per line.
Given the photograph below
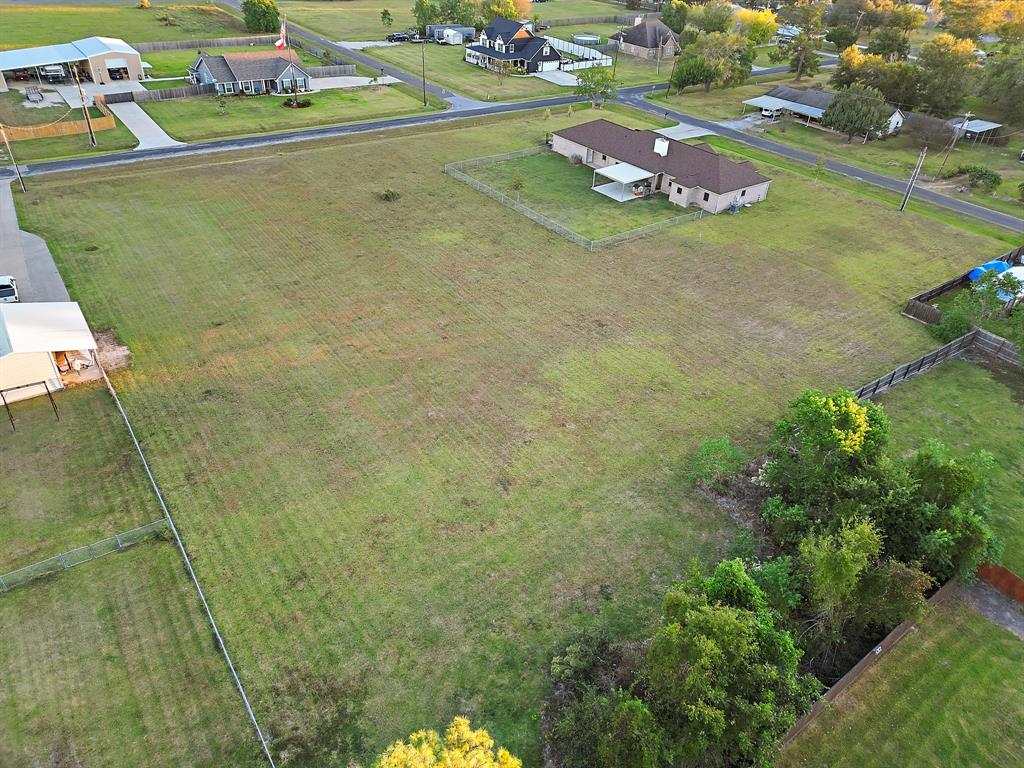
x=26 y=256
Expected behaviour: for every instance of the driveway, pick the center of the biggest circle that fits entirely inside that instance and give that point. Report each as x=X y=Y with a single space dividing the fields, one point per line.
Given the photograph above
x=149 y=134
x=73 y=99
x=26 y=256
x=325 y=83
x=558 y=77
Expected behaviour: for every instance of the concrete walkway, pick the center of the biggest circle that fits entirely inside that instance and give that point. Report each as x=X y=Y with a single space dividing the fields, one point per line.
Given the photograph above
x=149 y=134
x=994 y=605
x=26 y=256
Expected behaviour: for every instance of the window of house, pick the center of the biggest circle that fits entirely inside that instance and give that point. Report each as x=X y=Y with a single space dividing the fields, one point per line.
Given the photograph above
x=707 y=197
x=743 y=193
x=679 y=190
x=499 y=47
x=229 y=87
x=604 y=157
x=247 y=86
x=300 y=83
x=286 y=85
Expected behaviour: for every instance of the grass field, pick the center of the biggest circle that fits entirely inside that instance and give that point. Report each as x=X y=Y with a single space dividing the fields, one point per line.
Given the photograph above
x=68 y=483
x=28 y=24
x=176 y=63
x=445 y=66
x=112 y=664
x=13 y=111
x=561 y=191
x=32 y=150
x=411 y=444
x=894 y=156
x=970 y=408
x=360 y=19
x=949 y=694
x=199 y=117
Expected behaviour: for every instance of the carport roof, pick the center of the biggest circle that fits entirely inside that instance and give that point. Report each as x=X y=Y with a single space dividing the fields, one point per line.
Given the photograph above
x=26 y=58
x=624 y=173
x=57 y=326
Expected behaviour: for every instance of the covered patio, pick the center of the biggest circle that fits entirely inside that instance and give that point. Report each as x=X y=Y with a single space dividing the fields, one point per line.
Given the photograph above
x=625 y=182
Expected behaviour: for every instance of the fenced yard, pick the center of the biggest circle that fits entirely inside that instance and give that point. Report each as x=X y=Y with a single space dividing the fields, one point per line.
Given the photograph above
x=436 y=380
x=556 y=194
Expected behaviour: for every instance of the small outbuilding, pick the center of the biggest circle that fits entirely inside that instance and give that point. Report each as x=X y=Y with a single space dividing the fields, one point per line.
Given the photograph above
x=33 y=337
x=99 y=59
x=975 y=130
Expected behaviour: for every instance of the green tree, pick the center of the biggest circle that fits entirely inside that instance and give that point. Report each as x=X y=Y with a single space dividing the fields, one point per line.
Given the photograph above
x=631 y=737
x=842 y=37
x=729 y=58
x=947 y=73
x=595 y=83
x=970 y=19
x=890 y=43
x=713 y=16
x=800 y=52
x=1003 y=82
x=857 y=110
x=385 y=18
x=495 y=9
x=722 y=679
x=457 y=12
x=673 y=14
x=261 y=15
x=693 y=69
x=758 y=26
x=425 y=12
x=906 y=17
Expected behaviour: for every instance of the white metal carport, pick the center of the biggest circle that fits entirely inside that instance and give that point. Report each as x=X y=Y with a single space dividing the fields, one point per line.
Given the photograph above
x=622 y=176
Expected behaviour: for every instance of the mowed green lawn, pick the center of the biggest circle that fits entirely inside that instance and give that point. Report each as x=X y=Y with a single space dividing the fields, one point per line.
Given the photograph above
x=360 y=19
x=561 y=191
x=970 y=408
x=413 y=443
x=28 y=24
x=199 y=117
x=112 y=663
x=949 y=694
x=176 y=63
x=67 y=483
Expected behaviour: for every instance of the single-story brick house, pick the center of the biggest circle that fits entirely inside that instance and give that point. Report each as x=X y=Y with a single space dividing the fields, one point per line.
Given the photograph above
x=513 y=44
x=641 y=162
x=650 y=39
x=251 y=72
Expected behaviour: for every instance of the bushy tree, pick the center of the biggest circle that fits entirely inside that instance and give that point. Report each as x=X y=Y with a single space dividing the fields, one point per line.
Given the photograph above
x=727 y=59
x=461 y=747
x=261 y=15
x=426 y=12
x=906 y=17
x=493 y=9
x=800 y=52
x=630 y=738
x=947 y=66
x=890 y=43
x=842 y=37
x=970 y=19
x=713 y=16
x=1003 y=82
x=595 y=83
x=457 y=12
x=720 y=676
x=693 y=69
x=757 y=25
x=857 y=110
x=673 y=14
x=386 y=19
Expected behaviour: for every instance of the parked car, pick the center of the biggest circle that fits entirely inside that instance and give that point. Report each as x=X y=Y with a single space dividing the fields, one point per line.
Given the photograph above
x=417 y=39
x=22 y=74
x=397 y=37
x=54 y=73
x=8 y=289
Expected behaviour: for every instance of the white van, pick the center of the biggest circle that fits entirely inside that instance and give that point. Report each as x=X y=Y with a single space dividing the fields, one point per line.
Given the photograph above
x=53 y=73
x=8 y=289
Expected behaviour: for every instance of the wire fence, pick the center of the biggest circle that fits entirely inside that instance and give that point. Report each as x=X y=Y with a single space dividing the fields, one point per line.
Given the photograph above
x=74 y=557
x=457 y=171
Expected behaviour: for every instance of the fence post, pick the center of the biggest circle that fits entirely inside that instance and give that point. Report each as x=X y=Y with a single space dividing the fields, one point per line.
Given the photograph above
x=3 y=584
x=63 y=562
x=117 y=538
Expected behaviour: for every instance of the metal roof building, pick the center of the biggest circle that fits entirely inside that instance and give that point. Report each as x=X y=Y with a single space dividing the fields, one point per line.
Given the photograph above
x=100 y=59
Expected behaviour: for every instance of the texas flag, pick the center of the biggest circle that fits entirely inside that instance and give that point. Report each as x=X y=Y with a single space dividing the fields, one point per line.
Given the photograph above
x=281 y=41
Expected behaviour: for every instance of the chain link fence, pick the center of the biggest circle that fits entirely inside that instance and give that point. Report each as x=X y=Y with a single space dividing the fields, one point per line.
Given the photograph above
x=74 y=557
x=458 y=169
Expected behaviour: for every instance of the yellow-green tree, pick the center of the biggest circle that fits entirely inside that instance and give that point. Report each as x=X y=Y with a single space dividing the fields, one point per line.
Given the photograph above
x=461 y=747
x=758 y=26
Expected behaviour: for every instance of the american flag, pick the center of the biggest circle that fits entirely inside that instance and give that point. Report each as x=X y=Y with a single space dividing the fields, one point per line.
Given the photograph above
x=282 y=41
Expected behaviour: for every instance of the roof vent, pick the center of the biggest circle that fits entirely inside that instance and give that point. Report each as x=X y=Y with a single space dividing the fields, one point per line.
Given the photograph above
x=661 y=146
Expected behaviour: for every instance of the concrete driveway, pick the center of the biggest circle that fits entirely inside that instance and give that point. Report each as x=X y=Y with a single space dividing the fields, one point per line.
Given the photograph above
x=325 y=83
x=149 y=134
x=26 y=256
x=70 y=92
x=558 y=77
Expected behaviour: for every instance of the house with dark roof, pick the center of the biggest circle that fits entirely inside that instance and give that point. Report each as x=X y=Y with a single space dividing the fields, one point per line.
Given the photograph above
x=650 y=39
x=634 y=163
x=252 y=72
x=808 y=103
x=511 y=45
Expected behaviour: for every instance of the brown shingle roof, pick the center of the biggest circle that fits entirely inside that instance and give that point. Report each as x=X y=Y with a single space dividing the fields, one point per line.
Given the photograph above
x=651 y=33
x=690 y=165
x=250 y=65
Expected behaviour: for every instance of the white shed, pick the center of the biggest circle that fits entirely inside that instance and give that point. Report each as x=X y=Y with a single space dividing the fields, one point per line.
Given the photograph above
x=31 y=335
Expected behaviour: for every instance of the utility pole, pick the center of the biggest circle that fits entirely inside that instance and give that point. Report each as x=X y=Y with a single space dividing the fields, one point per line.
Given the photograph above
x=956 y=135
x=423 y=70
x=618 y=44
x=857 y=25
x=913 y=178
x=17 y=170
x=85 y=109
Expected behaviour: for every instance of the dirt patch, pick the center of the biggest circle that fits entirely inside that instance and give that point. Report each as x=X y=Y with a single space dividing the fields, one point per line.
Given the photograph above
x=112 y=354
x=742 y=499
x=995 y=606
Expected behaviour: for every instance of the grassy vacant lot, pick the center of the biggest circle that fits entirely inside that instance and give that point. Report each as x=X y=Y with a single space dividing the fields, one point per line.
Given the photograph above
x=14 y=112
x=176 y=63
x=413 y=443
x=949 y=694
x=445 y=66
x=68 y=483
x=199 y=117
x=112 y=664
x=970 y=408
x=561 y=191
x=26 y=24
x=894 y=156
x=360 y=19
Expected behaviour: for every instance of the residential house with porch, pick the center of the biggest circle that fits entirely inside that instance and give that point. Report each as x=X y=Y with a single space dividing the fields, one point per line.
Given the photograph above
x=513 y=46
x=630 y=163
x=810 y=104
x=649 y=39
x=253 y=72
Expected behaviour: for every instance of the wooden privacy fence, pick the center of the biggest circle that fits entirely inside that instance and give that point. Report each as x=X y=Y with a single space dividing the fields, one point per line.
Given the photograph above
x=216 y=42
x=338 y=70
x=163 y=94
x=1003 y=579
x=919 y=306
x=64 y=127
x=573 y=20
x=862 y=666
x=997 y=346
x=898 y=375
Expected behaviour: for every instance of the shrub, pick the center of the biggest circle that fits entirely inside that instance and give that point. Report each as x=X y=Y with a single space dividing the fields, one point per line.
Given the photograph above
x=788 y=524
x=715 y=464
x=461 y=747
x=143 y=4
x=389 y=195
x=1020 y=190
x=631 y=738
x=954 y=324
x=984 y=177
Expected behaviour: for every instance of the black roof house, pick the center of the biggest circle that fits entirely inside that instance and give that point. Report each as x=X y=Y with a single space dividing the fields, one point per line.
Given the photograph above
x=512 y=41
